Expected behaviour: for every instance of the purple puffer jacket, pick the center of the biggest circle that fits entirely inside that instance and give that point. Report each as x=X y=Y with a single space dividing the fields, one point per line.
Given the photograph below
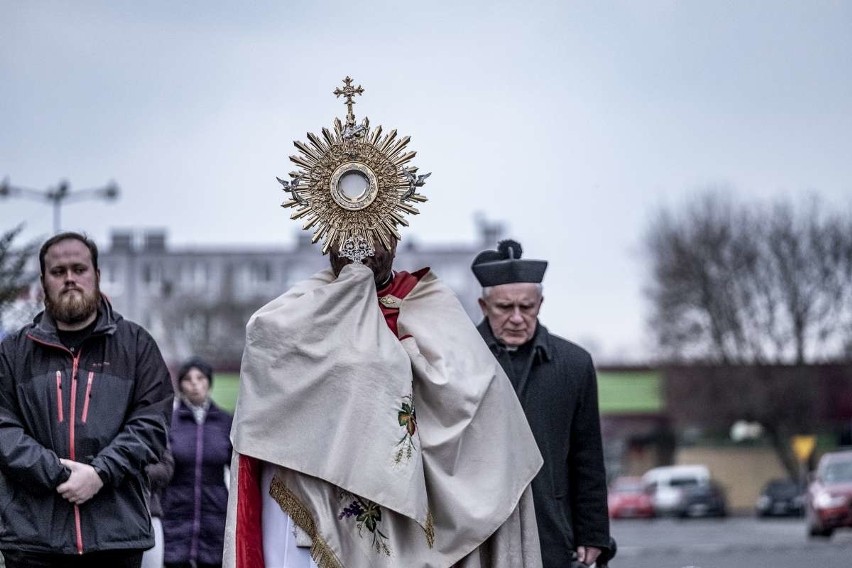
x=195 y=502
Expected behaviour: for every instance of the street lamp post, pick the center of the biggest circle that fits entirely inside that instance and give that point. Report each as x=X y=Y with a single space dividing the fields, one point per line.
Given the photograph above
x=58 y=195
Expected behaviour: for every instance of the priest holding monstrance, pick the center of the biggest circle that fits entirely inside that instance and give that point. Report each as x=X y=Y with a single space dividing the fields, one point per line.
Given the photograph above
x=373 y=426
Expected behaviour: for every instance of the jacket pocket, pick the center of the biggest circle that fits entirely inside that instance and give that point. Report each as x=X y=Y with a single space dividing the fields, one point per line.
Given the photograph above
x=104 y=405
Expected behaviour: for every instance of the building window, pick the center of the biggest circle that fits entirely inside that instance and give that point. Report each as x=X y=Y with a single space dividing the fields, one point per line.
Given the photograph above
x=112 y=279
x=108 y=273
x=152 y=274
x=261 y=272
x=201 y=275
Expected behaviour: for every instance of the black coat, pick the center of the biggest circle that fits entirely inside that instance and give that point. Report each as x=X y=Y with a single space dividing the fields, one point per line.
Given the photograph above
x=106 y=405
x=560 y=398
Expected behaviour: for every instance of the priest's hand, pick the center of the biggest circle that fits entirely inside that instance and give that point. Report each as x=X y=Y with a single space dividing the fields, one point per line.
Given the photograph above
x=588 y=554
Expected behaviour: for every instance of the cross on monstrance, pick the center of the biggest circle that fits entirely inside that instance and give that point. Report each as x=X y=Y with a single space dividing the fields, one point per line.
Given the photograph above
x=348 y=91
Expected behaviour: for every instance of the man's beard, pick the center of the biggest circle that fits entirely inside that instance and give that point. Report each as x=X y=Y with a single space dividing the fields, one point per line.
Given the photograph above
x=71 y=308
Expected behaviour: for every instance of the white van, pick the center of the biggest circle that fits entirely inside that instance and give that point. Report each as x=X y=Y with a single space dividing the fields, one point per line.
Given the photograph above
x=665 y=485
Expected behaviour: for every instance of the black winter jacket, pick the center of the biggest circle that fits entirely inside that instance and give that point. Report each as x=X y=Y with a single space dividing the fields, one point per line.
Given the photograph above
x=107 y=405
x=559 y=393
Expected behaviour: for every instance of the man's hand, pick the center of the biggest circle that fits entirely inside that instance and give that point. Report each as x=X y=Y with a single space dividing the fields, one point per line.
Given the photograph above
x=588 y=554
x=83 y=484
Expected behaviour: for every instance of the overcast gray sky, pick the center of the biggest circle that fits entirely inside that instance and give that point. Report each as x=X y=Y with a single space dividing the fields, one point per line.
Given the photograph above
x=570 y=121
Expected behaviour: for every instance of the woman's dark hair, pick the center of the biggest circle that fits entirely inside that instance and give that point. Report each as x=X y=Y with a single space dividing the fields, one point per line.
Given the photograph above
x=199 y=364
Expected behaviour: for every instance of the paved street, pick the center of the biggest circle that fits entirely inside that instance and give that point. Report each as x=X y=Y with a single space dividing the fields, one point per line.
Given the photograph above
x=738 y=542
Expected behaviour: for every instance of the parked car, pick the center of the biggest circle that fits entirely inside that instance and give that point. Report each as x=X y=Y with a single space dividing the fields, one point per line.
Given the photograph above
x=828 y=503
x=780 y=498
x=705 y=499
x=627 y=498
x=666 y=485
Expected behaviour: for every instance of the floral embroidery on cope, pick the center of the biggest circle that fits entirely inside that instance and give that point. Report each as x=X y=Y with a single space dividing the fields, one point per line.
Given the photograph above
x=368 y=515
x=408 y=421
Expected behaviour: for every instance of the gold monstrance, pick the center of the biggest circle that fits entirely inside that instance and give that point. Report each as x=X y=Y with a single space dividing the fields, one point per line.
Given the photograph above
x=353 y=185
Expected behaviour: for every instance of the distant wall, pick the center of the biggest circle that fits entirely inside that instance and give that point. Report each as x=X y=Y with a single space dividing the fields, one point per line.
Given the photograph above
x=741 y=471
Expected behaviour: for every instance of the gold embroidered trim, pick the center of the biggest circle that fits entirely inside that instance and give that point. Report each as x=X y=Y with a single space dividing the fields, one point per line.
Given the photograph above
x=290 y=504
x=429 y=529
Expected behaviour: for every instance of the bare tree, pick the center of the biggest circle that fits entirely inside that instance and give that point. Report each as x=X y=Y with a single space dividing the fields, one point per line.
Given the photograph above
x=809 y=258
x=741 y=284
x=752 y=286
x=14 y=279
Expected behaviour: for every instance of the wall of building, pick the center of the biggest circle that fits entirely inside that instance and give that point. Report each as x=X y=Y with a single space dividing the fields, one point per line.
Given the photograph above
x=185 y=294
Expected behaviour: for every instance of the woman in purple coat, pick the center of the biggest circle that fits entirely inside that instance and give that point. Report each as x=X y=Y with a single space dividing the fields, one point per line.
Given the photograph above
x=195 y=502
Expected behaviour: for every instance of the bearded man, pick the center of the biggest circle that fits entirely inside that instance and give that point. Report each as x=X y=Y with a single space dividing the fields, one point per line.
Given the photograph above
x=373 y=428
x=85 y=398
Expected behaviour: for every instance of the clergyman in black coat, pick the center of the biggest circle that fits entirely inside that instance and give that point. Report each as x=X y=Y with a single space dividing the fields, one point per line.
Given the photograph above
x=556 y=383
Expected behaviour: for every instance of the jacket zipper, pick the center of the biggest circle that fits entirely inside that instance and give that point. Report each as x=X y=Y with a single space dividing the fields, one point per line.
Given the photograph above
x=59 y=396
x=73 y=451
x=72 y=419
x=88 y=395
x=196 y=512
x=73 y=410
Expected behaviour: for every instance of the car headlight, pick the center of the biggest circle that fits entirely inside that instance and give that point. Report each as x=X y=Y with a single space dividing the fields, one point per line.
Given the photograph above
x=825 y=500
x=763 y=502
